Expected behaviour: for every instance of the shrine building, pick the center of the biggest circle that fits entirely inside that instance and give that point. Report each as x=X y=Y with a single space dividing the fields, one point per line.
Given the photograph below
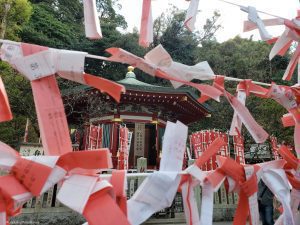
x=144 y=110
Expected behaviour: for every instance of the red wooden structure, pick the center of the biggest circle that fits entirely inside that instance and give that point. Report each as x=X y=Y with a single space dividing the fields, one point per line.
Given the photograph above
x=143 y=109
x=275 y=147
x=200 y=141
x=239 y=149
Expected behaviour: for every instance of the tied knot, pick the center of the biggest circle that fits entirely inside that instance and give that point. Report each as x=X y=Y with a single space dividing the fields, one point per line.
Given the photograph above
x=249 y=187
x=233 y=169
x=293 y=180
x=184 y=178
x=32 y=175
x=213 y=148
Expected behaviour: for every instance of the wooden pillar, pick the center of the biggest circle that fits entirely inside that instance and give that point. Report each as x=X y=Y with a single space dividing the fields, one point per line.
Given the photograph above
x=86 y=134
x=141 y=168
x=197 y=189
x=114 y=144
x=157 y=143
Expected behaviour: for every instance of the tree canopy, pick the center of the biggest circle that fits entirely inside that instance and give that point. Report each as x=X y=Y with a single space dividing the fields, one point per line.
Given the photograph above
x=246 y=59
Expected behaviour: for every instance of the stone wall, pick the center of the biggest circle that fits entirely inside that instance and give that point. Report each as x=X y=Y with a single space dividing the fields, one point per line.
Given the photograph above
x=48 y=216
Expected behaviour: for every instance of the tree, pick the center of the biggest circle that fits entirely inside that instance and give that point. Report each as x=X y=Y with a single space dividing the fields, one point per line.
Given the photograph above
x=245 y=59
x=108 y=13
x=169 y=30
x=21 y=103
x=44 y=28
x=13 y=15
x=210 y=28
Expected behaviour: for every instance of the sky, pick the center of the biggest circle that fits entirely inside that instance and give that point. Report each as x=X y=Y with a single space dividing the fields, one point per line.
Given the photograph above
x=231 y=16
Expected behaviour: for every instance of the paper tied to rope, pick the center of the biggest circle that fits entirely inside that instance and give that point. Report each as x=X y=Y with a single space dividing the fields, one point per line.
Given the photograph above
x=158 y=63
x=38 y=64
x=249 y=26
x=186 y=187
x=5 y=111
x=10 y=50
x=288 y=120
x=39 y=173
x=179 y=74
x=100 y=201
x=197 y=177
x=251 y=88
x=244 y=89
x=191 y=15
x=291 y=33
x=159 y=189
x=146 y=30
x=70 y=65
x=254 y=18
x=34 y=175
x=281 y=189
x=246 y=185
x=159 y=57
x=91 y=20
x=236 y=124
x=285 y=96
x=282 y=44
x=292 y=65
x=122 y=56
x=50 y=109
x=257 y=132
x=292 y=169
x=66 y=63
x=217 y=83
x=273 y=175
x=48 y=61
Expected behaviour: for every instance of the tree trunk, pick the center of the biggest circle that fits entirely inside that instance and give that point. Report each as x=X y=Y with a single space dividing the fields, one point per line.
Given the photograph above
x=4 y=19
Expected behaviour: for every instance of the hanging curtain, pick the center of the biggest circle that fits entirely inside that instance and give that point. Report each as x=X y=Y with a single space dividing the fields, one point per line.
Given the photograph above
x=161 y=132
x=106 y=135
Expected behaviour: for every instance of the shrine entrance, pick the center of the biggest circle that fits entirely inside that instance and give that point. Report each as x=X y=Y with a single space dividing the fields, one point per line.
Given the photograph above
x=144 y=110
x=143 y=144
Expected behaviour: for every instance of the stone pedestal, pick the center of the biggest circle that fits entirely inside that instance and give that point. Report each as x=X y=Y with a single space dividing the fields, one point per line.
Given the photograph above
x=141 y=168
x=197 y=190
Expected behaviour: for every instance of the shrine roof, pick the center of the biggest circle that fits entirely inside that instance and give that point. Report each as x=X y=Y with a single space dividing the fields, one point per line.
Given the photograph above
x=145 y=88
x=182 y=101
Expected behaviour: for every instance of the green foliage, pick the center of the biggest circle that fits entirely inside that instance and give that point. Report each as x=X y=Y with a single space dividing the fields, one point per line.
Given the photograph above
x=45 y=28
x=245 y=59
x=242 y=58
x=210 y=28
x=268 y=113
x=169 y=31
x=14 y=14
x=20 y=97
x=108 y=14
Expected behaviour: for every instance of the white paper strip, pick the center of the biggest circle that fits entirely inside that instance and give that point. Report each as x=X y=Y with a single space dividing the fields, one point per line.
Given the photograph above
x=91 y=20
